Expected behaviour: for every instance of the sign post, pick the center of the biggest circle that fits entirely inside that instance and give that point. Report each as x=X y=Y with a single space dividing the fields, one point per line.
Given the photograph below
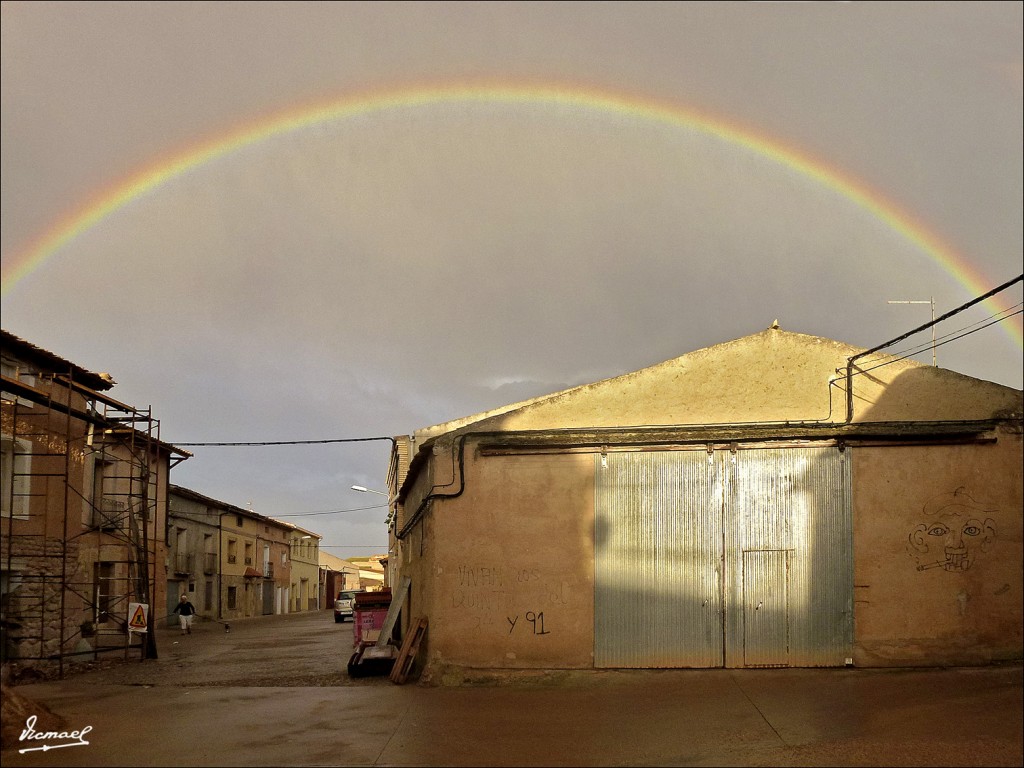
x=138 y=621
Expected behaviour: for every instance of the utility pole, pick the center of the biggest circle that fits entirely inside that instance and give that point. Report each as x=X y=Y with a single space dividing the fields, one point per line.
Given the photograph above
x=929 y=301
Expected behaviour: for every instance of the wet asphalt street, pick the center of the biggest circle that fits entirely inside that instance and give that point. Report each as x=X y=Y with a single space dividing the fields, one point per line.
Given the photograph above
x=274 y=691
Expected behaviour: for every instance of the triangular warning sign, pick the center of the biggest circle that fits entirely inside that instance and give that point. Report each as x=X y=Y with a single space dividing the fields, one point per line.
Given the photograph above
x=138 y=620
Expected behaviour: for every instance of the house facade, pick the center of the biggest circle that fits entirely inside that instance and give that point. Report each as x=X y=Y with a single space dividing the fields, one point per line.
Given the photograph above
x=336 y=575
x=759 y=503
x=256 y=565
x=84 y=503
x=234 y=563
x=372 y=572
x=194 y=551
x=304 y=555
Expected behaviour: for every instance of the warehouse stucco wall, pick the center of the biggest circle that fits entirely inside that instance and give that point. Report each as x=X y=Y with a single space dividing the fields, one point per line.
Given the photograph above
x=937 y=553
x=511 y=564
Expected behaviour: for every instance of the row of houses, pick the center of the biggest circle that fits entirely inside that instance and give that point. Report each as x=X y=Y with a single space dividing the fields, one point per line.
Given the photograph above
x=91 y=526
x=234 y=563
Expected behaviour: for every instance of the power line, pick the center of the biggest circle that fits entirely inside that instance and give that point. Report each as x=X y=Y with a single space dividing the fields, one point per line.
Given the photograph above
x=956 y=334
x=287 y=442
x=947 y=338
x=333 y=511
x=949 y=314
x=947 y=341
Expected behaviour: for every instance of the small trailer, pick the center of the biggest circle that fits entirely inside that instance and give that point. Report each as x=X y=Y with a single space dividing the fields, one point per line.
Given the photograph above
x=370 y=619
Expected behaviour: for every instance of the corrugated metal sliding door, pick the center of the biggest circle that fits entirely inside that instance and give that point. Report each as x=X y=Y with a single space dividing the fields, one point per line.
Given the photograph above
x=735 y=559
x=788 y=541
x=658 y=561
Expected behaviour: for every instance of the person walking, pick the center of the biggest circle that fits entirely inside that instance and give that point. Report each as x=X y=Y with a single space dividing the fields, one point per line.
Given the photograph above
x=185 y=611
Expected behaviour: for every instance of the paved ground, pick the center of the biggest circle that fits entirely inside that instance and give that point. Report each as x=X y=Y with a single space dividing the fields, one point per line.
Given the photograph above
x=274 y=691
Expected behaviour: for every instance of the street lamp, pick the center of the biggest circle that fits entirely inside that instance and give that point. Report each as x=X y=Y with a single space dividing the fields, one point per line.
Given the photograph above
x=391 y=499
x=363 y=489
x=392 y=514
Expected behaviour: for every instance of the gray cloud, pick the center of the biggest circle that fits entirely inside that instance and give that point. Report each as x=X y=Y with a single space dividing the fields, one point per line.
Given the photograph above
x=397 y=269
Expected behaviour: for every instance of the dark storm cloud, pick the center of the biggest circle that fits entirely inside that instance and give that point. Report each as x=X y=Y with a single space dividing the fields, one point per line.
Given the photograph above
x=403 y=268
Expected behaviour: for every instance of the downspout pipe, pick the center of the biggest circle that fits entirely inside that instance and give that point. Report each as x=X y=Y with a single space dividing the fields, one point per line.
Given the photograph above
x=220 y=564
x=433 y=495
x=850 y=361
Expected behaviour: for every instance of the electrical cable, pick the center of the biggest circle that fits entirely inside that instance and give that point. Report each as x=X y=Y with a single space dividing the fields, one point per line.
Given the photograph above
x=924 y=347
x=911 y=354
x=290 y=442
x=946 y=338
x=333 y=511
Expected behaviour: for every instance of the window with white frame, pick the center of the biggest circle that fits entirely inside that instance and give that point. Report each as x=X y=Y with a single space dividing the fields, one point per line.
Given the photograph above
x=15 y=480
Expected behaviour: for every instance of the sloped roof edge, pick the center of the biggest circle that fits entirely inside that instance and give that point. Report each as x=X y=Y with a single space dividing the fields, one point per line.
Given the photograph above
x=36 y=354
x=427 y=434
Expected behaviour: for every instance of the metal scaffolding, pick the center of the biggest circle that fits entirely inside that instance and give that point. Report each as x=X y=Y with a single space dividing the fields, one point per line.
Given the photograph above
x=79 y=537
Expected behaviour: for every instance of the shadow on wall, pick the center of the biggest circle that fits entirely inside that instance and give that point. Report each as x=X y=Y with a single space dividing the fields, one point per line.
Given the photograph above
x=927 y=393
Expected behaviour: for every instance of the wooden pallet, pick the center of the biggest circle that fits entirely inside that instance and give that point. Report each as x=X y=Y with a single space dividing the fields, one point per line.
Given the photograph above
x=406 y=656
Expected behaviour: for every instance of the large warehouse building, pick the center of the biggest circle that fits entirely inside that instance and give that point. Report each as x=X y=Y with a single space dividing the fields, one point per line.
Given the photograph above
x=739 y=506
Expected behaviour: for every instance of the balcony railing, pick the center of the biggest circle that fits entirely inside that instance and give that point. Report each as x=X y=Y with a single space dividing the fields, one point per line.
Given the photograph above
x=183 y=563
x=232 y=559
x=268 y=570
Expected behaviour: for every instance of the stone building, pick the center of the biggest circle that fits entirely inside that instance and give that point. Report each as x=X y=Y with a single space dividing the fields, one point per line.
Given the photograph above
x=194 y=551
x=234 y=563
x=304 y=555
x=84 y=502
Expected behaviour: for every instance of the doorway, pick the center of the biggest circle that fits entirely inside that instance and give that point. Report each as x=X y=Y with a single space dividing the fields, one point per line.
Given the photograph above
x=723 y=558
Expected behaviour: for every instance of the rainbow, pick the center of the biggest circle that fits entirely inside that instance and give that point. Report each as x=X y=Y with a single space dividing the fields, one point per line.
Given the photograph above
x=162 y=169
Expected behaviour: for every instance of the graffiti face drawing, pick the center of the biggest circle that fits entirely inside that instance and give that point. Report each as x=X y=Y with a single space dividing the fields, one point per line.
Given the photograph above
x=957 y=528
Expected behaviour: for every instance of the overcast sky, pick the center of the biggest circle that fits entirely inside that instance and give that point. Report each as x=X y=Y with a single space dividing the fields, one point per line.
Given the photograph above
x=400 y=266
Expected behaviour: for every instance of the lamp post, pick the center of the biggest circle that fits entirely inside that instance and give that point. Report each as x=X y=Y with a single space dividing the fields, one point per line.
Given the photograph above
x=391 y=499
x=392 y=513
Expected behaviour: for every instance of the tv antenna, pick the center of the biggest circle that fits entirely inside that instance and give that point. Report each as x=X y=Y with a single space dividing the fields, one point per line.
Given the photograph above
x=922 y=301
